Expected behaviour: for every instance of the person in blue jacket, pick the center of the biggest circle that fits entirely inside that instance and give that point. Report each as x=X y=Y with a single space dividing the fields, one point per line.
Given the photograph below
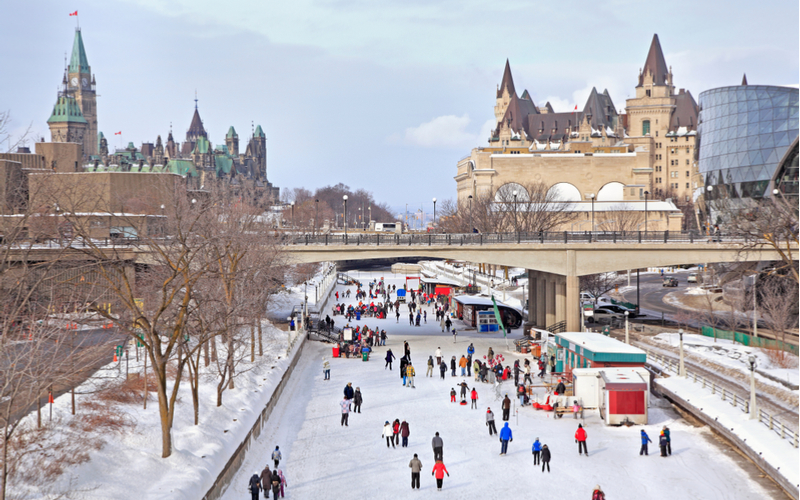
x=471 y=350
x=505 y=437
x=536 y=450
x=645 y=440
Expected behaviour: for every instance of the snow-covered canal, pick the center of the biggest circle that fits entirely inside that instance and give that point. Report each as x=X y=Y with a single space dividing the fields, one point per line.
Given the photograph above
x=322 y=459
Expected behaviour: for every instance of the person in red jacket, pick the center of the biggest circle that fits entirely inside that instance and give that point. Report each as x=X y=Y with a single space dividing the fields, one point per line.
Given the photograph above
x=598 y=494
x=439 y=470
x=474 y=395
x=580 y=438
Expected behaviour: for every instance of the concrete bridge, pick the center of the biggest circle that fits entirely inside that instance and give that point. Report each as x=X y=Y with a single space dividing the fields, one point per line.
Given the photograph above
x=555 y=261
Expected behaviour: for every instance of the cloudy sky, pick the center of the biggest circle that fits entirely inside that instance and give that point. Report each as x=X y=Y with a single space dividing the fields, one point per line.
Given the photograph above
x=384 y=95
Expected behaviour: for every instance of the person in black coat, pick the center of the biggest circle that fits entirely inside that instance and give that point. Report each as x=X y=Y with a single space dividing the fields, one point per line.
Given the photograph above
x=389 y=357
x=357 y=401
x=255 y=485
x=348 y=391
x=442 y=368
x=453 y=367
x=403 y=364
x=276 y=484
x=545 y=458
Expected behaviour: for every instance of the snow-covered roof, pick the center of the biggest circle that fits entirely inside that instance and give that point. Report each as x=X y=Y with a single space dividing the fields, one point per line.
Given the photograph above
x=598 y=343
x=439 y=281
x=477 y=300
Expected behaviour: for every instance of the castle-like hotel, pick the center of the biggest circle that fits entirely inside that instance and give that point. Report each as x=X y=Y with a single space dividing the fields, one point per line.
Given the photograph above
x=74 y=120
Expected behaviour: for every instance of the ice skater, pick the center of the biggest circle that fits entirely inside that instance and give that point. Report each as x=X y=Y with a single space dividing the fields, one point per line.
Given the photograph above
x=276 y=456
x=439 y=470
x=580 y=438
x=536 y=449
x=490 y=421
x=645 y=440
x=505 y=437
x=326 y=369
x=388 y=434
x=416 y=468
x=389 y=357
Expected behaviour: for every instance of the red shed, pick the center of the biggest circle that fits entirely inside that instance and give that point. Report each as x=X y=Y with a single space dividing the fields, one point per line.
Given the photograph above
x=625 y=397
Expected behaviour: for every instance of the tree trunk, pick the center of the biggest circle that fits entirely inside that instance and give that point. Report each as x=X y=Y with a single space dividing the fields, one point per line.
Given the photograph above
x=252 y=343
x=213 y=341
x=260 y=341
x=196 y=401
x=163 y=411
x=206 y=358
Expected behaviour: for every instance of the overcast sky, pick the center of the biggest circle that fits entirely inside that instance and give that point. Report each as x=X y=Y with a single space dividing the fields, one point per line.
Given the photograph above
x=385 y=96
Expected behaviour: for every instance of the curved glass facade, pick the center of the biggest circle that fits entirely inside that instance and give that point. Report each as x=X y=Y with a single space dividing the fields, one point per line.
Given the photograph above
x=745 y=132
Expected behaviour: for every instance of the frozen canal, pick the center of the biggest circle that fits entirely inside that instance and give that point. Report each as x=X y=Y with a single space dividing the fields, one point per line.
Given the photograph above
x=324 y=460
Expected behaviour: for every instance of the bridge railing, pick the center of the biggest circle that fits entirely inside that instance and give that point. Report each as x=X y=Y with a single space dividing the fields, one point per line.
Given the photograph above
x=431 y=239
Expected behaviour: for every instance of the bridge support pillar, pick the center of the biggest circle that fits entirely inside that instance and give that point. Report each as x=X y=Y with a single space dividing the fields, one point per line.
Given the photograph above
x=573 y=294
x=532 y=320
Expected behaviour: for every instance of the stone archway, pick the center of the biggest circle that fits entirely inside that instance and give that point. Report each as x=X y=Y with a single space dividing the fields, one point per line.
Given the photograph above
x=564 y=191
x=612 y=191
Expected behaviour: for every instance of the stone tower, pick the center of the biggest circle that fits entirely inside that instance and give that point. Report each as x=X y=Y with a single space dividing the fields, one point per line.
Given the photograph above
x=232 y=141
x=257 y=150
x=81 y=86
x=66 y=122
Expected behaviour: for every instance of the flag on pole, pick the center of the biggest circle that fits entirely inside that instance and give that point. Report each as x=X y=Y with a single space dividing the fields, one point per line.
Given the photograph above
x=118 y=133
x=73 y=13
x=497 y=316
x=576 y=108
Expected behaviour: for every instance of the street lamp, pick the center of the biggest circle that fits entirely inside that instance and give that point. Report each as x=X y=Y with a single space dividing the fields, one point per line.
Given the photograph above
x=316 y=215
x=591 y=196
x=708 y=209
x=645 y=211
x=681 y=367
x=369 y=208
x=516 y=228
x=627 y=335
x=292 y=214
x=434 y=215
x=470 y=213
x=345 y=216
x=753 y=407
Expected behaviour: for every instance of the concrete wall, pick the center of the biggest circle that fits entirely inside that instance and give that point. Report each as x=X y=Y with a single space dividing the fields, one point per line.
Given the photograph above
x=12 y=195
x=61 y=156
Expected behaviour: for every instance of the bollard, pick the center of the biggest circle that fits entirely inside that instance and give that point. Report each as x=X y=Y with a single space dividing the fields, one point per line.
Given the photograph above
x=713 y=388
x=723 y=394
x=734 y=400
x=770 y=422
x=783 y=430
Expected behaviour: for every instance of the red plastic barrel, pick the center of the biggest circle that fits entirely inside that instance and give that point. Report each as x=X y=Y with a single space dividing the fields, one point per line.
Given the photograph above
x=336 y=352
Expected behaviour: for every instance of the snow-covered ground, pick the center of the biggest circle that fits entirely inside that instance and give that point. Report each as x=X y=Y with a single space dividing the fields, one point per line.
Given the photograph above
x=322 y=459
x=732 y=355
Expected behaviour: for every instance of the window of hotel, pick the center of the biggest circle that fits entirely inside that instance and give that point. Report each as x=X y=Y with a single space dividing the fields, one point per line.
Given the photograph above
x=687 y=173
x=687 y=185
x=646 y=125
x=647 y=92
x=687 y=149
x=687 y=161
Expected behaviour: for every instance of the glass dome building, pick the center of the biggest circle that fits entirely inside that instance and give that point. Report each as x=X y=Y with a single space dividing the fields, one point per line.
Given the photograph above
x=748 y=144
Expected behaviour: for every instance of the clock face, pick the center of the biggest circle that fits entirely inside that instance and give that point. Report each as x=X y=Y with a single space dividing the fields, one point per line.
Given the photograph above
x=85 y=82
x=74 y=82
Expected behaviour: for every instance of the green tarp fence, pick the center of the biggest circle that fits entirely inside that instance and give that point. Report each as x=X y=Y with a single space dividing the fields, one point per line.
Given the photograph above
x=749 y=340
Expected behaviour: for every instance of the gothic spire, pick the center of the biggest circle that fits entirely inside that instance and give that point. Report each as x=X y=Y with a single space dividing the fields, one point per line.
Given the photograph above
x=507 y=82
x=78 y=62
x=744 y=79
x=655 y=64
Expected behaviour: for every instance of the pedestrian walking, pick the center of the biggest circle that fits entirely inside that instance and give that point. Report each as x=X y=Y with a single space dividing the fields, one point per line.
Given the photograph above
x=345 y=404
x=505 y=437
x=276 y=484
x=410 y=372
x=580 y=438
x=404 y=433
x=388 y=434
x=598 y=494
x=469 y=364
x=389 y=357
x=442 y=369
x=357 y=400
x=348 y=391
x=266 y=479
x=429 y=371
x=474 y=397
x=645 y=439
x=489 y=355
x=276 y=456
x=454 y=335
x=471 y=350
x=476 y=369
x=407 y=350
x=416 y=468
x=326 y=369
x=410 y=317
x=665 y=429
x=403 y=365
x=506 y=408
x=448 y=324
x=662 y=443
x=438 y=447
x=536 y=449
x=462 y=363
x=439 y=470
x=396 y=431
x=545 y=458
x=254 y=485
x=438 y=355
x=283 y=481
x=517 y=371
x=527 y=378
x=453 y=367
x=452 y=395
x=490 y=421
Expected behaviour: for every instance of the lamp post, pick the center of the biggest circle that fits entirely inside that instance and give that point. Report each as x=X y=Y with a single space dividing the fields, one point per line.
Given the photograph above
x=316 y=215
x=434 y=215
x=369 y=209
x=645 y=211
x=753 y=407
x=516 y=228
x=681 y=367
x=709 y=189
x=345 y=216
x=470 y=213
x=360 y=218
x=292 y=215
x=627 y=335
x=591 y=197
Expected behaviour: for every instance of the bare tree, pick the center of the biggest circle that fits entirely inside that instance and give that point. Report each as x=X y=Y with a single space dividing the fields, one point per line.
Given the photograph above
x=600 y=284
x=778 y=299
x=7 y=136
x=619 y=219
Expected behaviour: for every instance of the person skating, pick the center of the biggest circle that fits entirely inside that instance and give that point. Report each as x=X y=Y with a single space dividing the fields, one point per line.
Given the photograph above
x=283 y=481
x=254 y=486
x=439 y=470
x=471 y=350
x=416 y=468
x=476 y=369
x=326 y=369
x=506 y=408
x=407 y=350
x=397 y=315
x=410 y=317
x=357 y=400
x=266 y=478
x=490 y=421
x=665 y=429
x=474 y=397
x=517 y=371
x=598 y=494
x=276 y=456
x=442 y=369
x=438 y=447
x=448 y=324
x=527 y=379
x=396 y=431
x=345 y=404
x=453 y=367
x=438 y=355
x=429 y=371
x=490 y=355
x=580 y=438
x=462 y=363
x=348 y=391
x=662 y=443
x=389 y=357
x=464 y=388
x=645 y=439
x=454 y=335
x=276 y=484
x=403 y=365
x=505 y=437
x=536 y=449
x=410 y=372
x=388 y=433
x=404 y=433
x=545 y=458
x=453 y=395
x=469 y=364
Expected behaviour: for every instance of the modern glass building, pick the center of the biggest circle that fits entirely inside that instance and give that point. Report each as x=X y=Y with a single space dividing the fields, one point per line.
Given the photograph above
x=748 y=144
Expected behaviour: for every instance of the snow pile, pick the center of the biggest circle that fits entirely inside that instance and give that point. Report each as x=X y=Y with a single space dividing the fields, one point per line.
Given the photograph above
x=696 y=290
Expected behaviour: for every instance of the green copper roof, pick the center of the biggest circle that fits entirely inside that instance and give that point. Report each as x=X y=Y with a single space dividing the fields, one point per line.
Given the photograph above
x=222 y=148
x=223 y=164
x=78 y=63
x=66 y=110
x=202 y=146
x=231 y=133
x=182 y=167
x=259 y=132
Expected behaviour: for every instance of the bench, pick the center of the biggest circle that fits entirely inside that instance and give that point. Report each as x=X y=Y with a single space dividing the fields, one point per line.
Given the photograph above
x=561 y=410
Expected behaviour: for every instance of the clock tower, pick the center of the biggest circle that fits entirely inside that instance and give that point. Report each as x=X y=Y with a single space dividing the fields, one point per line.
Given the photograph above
x=81 y=86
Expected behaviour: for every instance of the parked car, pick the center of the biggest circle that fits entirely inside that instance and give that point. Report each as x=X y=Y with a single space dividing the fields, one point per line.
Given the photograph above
x=669 y=281
x=692 y=278
x=602 y=313
x=618 y=309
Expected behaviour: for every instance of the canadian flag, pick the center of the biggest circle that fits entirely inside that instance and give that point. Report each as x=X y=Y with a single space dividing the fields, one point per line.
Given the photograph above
x=576 y=107
x=118 y=133
x=73 y=13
